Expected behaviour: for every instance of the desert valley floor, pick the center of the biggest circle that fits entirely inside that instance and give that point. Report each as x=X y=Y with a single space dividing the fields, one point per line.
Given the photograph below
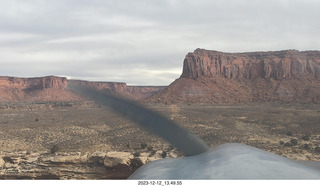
x=290 y=130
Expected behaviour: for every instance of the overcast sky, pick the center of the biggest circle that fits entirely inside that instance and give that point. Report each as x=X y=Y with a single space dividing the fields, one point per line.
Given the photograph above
x=144 y=42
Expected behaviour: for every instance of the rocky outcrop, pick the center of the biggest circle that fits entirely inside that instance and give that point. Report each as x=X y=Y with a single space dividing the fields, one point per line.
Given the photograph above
x=72 y=165
x=2 y=162
x=217 y=77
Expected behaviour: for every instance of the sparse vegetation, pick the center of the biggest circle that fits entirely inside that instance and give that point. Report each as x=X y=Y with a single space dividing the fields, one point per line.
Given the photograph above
x=37 y=119
x=136 y=154
x=291 y=143
x=317 y=149
x=152 y=153
x=306 y=137
x=306 y=146
x=150 y=148
x=54 y=149
x=294 y=141
x=288 y=144
x=163 y=154
x=8 y=159
x=214 y=124
x=143 y=145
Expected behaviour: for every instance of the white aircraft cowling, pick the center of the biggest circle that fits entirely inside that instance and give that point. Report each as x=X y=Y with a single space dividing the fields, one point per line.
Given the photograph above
x=228 y=161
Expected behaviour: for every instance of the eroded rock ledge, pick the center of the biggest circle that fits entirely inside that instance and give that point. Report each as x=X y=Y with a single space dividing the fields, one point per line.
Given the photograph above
x=76 y=165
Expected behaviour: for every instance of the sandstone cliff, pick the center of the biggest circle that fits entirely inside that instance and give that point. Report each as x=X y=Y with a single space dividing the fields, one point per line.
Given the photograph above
x=52 y=88
x=276 y=65
x=49 y=88
x=121 y=89
x=217 y=77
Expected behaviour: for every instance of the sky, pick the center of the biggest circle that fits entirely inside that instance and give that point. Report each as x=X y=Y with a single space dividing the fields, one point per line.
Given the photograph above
x=144 y=42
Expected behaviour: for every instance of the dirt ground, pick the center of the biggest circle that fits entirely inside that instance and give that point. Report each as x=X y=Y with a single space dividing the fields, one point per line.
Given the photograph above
x=291 y=130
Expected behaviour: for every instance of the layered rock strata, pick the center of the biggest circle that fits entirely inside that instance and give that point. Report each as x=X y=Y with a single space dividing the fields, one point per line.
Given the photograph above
x=122 y=89
x=72 y=165
x=277 y=65
x=52 y=88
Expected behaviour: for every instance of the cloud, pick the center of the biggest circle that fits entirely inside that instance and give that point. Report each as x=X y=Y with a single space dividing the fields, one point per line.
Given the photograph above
x=110 y=40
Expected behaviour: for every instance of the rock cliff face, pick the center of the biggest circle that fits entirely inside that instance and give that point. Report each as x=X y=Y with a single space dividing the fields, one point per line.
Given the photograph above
x=276 y=65
x=217 y=77
x=33 y=84
x=49 y=88
x=141 y=92
x=52 y=88
x=121 y=89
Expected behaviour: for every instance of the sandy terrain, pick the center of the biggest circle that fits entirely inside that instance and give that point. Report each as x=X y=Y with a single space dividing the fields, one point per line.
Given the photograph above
x=85 y=127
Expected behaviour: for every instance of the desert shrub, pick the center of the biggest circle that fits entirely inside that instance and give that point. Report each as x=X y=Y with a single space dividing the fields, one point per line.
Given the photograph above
x=143 y=145
x=289 y=133
x=287 y=144
x=294 y=141
x=163 y=154
x=37 y=119
x=152 y=153
x=281 y=142
x=306 y=146
x=150 y=148
x=54 y=149
x=317 y=149
x=8 y=159
x=306 y=137
x=134 y=164
x=136 y=154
